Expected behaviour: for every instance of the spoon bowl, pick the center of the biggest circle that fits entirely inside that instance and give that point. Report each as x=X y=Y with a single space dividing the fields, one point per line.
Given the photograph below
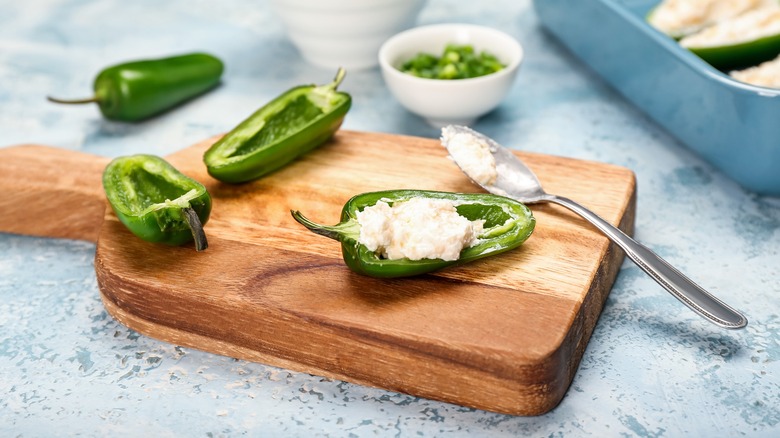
x=503 y=173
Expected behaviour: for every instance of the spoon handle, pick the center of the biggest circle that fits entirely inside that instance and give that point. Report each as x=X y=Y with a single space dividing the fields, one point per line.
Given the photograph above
x=685 y=290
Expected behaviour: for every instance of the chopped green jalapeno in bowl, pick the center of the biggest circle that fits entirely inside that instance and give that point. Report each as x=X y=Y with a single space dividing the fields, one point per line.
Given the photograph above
x=450 y=74
x=457 y=62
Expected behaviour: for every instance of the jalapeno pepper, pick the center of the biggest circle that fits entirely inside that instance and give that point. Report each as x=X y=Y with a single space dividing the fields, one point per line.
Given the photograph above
x=739 y=55
x=289 y=126
x=157 y=202
x=137 y=90
x=508 y=224
x=744 y=41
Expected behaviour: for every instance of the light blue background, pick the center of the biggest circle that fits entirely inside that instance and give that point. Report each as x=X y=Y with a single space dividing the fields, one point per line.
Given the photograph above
x=652 y=368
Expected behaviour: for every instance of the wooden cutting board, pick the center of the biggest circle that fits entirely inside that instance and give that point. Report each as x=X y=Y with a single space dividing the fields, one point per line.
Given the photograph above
x=504 y=334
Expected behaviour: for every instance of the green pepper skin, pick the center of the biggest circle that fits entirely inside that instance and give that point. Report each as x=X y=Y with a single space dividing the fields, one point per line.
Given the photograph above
x=738 y=56
x=149 y=196
x=289 y=126
x=137 y=90
x=456 y=62
x=508 y=224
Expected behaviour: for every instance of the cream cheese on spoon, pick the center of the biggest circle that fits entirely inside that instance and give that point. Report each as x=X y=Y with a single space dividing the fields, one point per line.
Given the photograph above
x=472 y=154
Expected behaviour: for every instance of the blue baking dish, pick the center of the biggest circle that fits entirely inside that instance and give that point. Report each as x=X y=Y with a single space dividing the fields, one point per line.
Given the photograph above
x=734 y=126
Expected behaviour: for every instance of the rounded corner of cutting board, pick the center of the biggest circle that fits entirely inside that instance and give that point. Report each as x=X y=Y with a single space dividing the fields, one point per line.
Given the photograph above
x=511 y=397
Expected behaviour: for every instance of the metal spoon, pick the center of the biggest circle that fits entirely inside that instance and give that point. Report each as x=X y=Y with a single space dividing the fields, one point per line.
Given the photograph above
x=516 y=181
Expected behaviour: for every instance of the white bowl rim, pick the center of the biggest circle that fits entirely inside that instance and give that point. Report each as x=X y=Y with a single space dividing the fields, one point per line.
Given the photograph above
x=508 y=70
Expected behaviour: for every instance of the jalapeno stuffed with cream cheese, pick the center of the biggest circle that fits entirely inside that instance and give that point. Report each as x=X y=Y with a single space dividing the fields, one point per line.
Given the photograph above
x=403 y=233
x=747 y=40
x=679 y=18
x=766 y=74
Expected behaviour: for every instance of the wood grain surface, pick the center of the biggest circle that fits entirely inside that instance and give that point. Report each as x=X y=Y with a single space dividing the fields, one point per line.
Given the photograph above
x=51 y=192
x=504 y=334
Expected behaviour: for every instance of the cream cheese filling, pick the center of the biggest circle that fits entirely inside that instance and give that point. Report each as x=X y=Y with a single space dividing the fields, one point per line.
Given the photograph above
x=472 y=154
x=763 y=75
x=750 y=26
x=682 y=17
x=416 y=229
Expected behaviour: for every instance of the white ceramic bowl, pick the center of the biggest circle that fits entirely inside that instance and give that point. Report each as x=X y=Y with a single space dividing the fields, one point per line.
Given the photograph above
x=458 y=101
x=344 y=33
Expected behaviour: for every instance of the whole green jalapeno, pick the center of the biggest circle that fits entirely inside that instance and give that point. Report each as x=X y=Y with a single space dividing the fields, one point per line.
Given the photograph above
x=289 y=126
x=137 y=90
x=507 y=224
x=156 y=202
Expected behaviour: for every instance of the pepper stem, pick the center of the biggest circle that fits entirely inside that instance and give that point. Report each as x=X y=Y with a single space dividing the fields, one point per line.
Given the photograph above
x=196 y=228
x=322 y=230
x=93 y=99
x=340 y=74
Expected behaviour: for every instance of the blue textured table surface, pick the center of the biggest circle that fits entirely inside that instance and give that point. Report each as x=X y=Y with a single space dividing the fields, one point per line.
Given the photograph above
x=652 y=367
